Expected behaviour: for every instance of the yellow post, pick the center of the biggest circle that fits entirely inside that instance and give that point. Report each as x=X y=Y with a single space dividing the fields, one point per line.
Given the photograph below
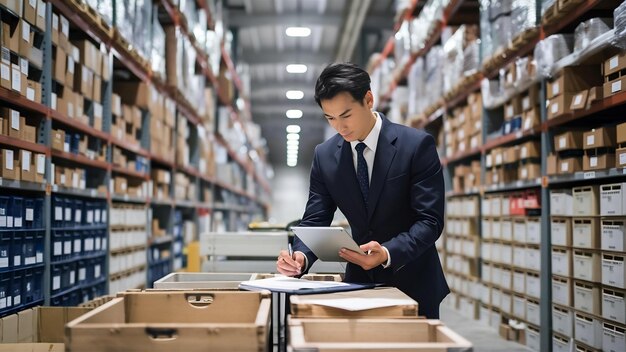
x=193 y=257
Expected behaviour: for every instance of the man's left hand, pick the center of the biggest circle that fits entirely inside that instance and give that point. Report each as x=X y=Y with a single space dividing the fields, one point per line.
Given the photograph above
x=377 y=255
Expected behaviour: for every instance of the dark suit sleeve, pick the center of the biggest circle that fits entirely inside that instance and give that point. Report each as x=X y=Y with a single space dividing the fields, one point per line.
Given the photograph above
x=320 y=208
x=427 y=202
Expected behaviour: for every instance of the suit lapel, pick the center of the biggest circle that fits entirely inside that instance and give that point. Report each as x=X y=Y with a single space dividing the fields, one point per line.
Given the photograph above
x=385 y=152
x=347 y=175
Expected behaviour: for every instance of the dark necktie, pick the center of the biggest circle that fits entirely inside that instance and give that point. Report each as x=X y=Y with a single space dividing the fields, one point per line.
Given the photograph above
x=361 y=171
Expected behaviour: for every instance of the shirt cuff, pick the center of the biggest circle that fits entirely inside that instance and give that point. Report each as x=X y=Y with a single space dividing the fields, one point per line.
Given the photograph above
x=388 y=263
x=306 y=262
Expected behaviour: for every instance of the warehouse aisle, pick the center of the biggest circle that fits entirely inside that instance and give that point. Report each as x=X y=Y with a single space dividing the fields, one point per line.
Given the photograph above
x=484 y=338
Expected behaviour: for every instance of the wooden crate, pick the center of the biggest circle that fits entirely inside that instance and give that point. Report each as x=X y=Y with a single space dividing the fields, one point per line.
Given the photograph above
x=328 y=305
x=374 y=335
x=174 y=321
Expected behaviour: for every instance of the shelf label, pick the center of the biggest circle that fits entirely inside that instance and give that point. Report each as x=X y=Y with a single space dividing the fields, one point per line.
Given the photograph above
x=56 y=282
x=30 y=214
x=58 y=213
x=17 y=260
x=16 y=78
x=578 y=99
x=25 y=31
x=556 y=89
x=82 y=274
x=72 y=277
x=616 y=86
x=593 y=161
x=564 y=167
x=554 y=108
x=15 y=120
x=591 y=140
x=97 y=271
x=24 y=66
x=78 y=246
x=67 y=247
x=590 y=174
x=39 y=257
x=8 y=162
x=26 y=160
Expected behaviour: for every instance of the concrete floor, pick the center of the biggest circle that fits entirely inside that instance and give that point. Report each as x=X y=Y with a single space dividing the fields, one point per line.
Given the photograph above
x=483 y=337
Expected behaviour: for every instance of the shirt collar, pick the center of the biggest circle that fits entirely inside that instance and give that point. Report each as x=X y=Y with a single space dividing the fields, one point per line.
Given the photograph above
x=371 y=141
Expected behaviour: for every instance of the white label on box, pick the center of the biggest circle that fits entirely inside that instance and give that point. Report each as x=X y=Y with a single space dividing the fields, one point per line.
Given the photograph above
x=104 y=215
x=41 y=9
x=589 y=174
x=562 y=142
x=622 y=159
x=26 y=31
x=78 y=246
x=26 y=160
x=89 y=244
x=67 y=247
x=97 y=215
x=8 y=163
x=78 y=215
x=72 y=277
x=84 y=73
x=564 y=167
x=55 y=22
x=54 y=101
x=616 y=86
x=65 y=27
x=554 y=108
x=68 y=214
x=41 y=163
x=97 y=243
x=578 y=99
x=16 y=78
x=56 y=282
x=17 y=260
x=75 y=180
x=17 y=300
x=30 y=94
x=24 y=66
x=39 y=257
x=524 y=173
x=9 y=221
x=97 y=271
x=97 y=110
x=82 y=274
x=66 y=147
x=29 y=260
x=556 y=89
x=528 y=123
x=3 y=302
x=32 y=3
x=509 y=110
x=4 y=262
x=3 y=221
x=5 y=55
x=614 y=62
x=30 y=214
x=591 y=140
x=89 y=216
x=523 y=152
x=15 y=120
x=526 y=103
x=58 y=213
x=104 y=244
x=18 y=221
x=593 y=161
x=70 y=64
x=70 y=110
x=5 y=73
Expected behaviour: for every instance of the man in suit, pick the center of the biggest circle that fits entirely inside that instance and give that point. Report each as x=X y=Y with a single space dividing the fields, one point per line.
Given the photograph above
x=387 y=180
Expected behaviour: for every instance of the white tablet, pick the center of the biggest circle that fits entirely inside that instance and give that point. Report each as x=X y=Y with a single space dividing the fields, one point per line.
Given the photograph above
x=325 y=242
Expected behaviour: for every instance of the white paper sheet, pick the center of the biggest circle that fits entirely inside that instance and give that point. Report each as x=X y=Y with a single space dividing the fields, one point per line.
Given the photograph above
x=358 y=303
x=290 y=283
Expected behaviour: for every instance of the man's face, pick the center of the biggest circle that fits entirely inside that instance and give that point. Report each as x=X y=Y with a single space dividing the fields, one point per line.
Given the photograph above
x=353 y=120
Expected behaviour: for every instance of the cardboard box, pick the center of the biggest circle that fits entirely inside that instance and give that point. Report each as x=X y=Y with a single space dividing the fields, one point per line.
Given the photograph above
x=312 y=306
x=5 y=69
x=530 y=99
x=188 y=314
x=120 y=185
x=134 y=93
x=614 y=305
x=41 y=15
x=11 y=32
x=613 y=270
x=60 y=65
x=561 y=230
x=40 y=167
x=58 y=140
x=9 y=329
x=570 y=165
x=613 y=337
x=586 y=233
x=587 y=266
x=613 y=235
x=552 y=167
x=559 y=105
x=33 y=91
x=13 y=5
x=615 y=86
x=561 y=261
x=570 y=140
x=97 y=89
x=580 y=100
x=595 y=94
x=588 y=329
x=621 y=133
x=563 y=320
x=529 y=171
x=29 y=133
x=391 y=334
x=603 y=137
x=531 y=149
x=26 y=39
x=598 y=162
x=70 y=72
x=83 y=80
x=613 y=199
x=10 y=166
x=586 y=200
x=562 y=290
x=513 y=108
x=574 y=79
x=614 y=64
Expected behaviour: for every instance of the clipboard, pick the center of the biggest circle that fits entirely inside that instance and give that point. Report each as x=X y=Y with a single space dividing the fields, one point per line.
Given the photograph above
x=326 y=241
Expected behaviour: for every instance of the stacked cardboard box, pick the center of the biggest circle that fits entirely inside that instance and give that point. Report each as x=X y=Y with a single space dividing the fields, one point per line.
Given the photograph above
x=568 y=84
x=182 y=136
x=162 y=120
x=466 y=177
x=463 y=129
x=162 y=180
x=184 y=188
x=569 y=152
x=614 y=79
x=21 y=46
x=24 y=165
x=129 y=237
x=129 y=102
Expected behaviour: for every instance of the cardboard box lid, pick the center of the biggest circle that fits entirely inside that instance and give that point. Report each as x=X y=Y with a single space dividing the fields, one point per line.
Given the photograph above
x=51 y=322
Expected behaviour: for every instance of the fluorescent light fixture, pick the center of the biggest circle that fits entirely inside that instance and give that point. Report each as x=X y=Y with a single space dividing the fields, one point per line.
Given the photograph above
x=293 y=150
x=296 y=143
x=293 y=129
x=294 y=94
x=292 y=163
x=293 y=136
x=298 y=31
x=294 y=114
x=296 y=68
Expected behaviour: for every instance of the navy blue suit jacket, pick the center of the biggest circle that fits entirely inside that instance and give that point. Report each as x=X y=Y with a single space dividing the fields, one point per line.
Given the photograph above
x=405 y=210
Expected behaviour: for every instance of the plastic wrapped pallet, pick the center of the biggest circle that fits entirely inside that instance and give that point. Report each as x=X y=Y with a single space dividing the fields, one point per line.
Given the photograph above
x=587 y=31
x=157 y=59
x=418 y=30
x=416 y=85
x=125 y=17
x=141 y=26
x=619 y=16
x=402 y=47
x=453 y=56
x=500 y=8
x=502 y=34
x=523 y=15
x=551 y=50
x=471 y=58
x=105 y=9
x=434 y=74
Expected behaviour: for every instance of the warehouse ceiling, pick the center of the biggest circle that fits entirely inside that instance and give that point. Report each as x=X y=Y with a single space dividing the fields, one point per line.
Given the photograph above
x=340 y=30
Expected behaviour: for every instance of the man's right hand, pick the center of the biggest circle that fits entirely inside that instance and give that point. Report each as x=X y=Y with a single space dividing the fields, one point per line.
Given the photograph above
x=290 y=266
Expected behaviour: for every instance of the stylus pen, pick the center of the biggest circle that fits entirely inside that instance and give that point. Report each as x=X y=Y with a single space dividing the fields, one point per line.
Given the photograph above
x=290 y=250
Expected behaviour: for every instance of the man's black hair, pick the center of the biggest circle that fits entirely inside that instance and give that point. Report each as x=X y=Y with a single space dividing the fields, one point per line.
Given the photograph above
x=342 y=77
